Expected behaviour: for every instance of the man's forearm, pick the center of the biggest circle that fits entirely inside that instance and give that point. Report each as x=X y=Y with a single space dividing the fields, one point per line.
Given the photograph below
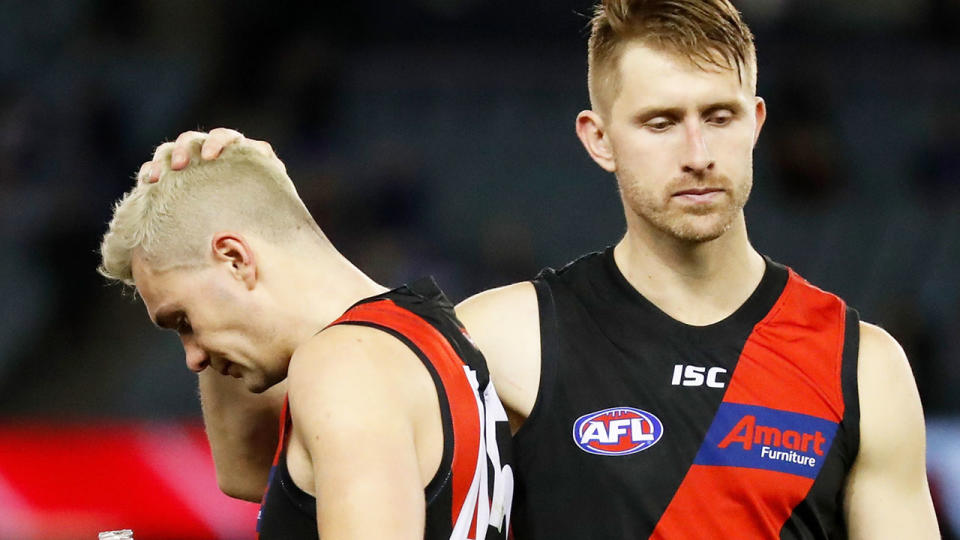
x=242 y=429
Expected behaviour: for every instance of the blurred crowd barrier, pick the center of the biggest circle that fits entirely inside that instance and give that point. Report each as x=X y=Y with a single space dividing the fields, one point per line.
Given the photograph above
x=71 y=481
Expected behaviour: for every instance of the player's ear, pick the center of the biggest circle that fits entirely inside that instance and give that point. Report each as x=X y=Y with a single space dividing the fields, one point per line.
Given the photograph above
x=761 y=115
x=592 y=134
x=233 y=250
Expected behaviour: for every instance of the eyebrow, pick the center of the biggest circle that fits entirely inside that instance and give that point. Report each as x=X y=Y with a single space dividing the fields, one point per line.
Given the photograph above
x=734 y=106
x=678 y=112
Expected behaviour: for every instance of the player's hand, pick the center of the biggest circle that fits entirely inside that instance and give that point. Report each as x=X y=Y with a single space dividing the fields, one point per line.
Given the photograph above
x=212 y=144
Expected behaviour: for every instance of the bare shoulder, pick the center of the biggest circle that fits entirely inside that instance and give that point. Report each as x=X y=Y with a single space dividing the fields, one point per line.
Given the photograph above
x=887 y=494
x=505 y=324
x=516 y=295
x=886 y=385
x=350 y=364
x=882 y=363
x=366 y=420
x=890 y=407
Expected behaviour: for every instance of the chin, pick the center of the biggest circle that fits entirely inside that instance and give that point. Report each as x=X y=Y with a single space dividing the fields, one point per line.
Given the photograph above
x=694 y=229
x=689 y=225
x=260 y=385
x=255 y=386
x=699 y=235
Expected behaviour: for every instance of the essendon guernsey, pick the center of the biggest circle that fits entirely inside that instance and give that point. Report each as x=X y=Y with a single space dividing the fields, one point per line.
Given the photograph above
x=646 y=427
x=471 y=494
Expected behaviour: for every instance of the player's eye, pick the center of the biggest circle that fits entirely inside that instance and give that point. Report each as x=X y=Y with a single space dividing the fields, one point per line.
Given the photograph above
x=658 y=124
x=720 y=118
x=183 y=326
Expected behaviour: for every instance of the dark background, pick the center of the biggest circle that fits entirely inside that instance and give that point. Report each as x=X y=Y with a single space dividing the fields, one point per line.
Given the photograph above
x=436 y=136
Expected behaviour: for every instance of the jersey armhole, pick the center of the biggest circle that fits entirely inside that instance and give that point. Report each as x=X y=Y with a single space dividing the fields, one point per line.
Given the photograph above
x=305 y=503
x=849 y=380
x=549 y=349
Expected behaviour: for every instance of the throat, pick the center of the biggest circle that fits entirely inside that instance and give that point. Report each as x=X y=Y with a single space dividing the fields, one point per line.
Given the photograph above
x=697 y=289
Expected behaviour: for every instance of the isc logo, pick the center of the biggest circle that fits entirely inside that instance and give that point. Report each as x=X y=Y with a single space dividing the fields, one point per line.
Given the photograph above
x=696 y=376
x=617 y=431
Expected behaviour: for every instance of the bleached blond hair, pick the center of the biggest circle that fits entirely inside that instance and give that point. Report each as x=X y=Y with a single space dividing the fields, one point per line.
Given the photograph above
x=170 y=223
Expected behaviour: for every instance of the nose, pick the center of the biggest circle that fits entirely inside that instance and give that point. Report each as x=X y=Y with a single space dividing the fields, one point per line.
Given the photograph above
x=696 y=158
x=197 y=358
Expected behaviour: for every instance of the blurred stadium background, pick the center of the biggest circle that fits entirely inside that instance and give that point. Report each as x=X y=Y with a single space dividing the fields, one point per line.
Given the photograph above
x=427 y=136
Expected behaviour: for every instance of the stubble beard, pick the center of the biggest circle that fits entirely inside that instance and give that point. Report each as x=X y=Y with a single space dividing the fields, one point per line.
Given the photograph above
x=693 y=224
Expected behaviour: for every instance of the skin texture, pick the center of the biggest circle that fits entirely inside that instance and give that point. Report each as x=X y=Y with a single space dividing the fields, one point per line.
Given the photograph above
x=680 y=141
x=887 y=491
x=249 y=320
x=333 y=376
x=242 y=430
x=219 y=326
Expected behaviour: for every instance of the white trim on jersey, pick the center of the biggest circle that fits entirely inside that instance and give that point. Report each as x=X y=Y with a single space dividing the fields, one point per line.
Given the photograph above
x=495 y=512
x=471 y=504
x=502 y=501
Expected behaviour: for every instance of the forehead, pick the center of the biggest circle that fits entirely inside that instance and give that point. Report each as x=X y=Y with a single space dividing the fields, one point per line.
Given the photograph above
x=159 y=290
x=659 y=78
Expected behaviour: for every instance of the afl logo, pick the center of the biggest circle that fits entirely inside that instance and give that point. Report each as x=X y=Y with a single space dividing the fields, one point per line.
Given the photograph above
x=617 y=431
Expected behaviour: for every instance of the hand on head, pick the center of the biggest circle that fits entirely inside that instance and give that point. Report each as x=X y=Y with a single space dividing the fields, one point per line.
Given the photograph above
x=213 y=144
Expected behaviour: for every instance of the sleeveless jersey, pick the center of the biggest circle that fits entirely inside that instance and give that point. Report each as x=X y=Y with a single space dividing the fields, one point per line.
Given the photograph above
x=471 y=494
x=645 y=427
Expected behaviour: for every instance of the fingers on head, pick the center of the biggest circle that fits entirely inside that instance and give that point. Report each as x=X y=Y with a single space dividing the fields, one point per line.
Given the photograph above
x=184 y=146
x=162 y=153
x=143 y=175
x=160 y=157
x=187 y=137
x=217 y=140
x=263 y=147
x=178 y=153
x=266 y=150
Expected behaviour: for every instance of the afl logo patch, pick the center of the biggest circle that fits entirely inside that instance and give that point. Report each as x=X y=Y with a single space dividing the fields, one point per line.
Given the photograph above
x=617 y=431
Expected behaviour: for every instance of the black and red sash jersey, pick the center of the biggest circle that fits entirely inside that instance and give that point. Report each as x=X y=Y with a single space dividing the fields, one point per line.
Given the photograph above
x=645 y=427
x=471 y=494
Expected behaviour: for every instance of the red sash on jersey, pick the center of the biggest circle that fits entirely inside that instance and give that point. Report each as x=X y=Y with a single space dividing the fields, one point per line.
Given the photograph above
x=774 y=426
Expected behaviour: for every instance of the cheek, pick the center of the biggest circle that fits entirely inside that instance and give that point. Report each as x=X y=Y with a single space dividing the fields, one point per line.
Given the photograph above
x=736 y=146
x=640 y=158
x=260 y=332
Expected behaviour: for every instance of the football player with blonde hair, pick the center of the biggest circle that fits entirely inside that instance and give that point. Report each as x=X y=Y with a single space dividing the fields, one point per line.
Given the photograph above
x=679 y=384
x=386 y=404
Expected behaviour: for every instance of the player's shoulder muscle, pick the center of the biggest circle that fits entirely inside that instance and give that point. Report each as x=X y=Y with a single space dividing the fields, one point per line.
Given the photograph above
x=358 y=397
x=500 y=306
x=505 y=324
x=882 y=364
x=889 y=401
x=352 y=364
x=887 y=494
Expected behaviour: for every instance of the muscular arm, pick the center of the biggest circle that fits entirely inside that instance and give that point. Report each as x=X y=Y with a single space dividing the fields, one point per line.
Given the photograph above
x=505 y=325
x=242 y=428
x=360 y=401
x=887 y=491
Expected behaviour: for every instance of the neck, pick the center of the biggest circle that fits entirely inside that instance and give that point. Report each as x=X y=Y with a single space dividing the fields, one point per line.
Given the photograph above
x=314 y=287
x=697 y=283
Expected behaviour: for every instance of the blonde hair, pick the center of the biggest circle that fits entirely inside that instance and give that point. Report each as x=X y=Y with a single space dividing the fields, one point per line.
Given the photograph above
x=709 y=33
x=171 y=222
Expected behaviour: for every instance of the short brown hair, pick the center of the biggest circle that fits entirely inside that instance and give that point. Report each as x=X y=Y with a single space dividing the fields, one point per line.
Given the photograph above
x=706 y=32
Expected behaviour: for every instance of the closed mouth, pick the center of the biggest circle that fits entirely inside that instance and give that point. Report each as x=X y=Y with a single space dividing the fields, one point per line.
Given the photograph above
x=697 y=191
